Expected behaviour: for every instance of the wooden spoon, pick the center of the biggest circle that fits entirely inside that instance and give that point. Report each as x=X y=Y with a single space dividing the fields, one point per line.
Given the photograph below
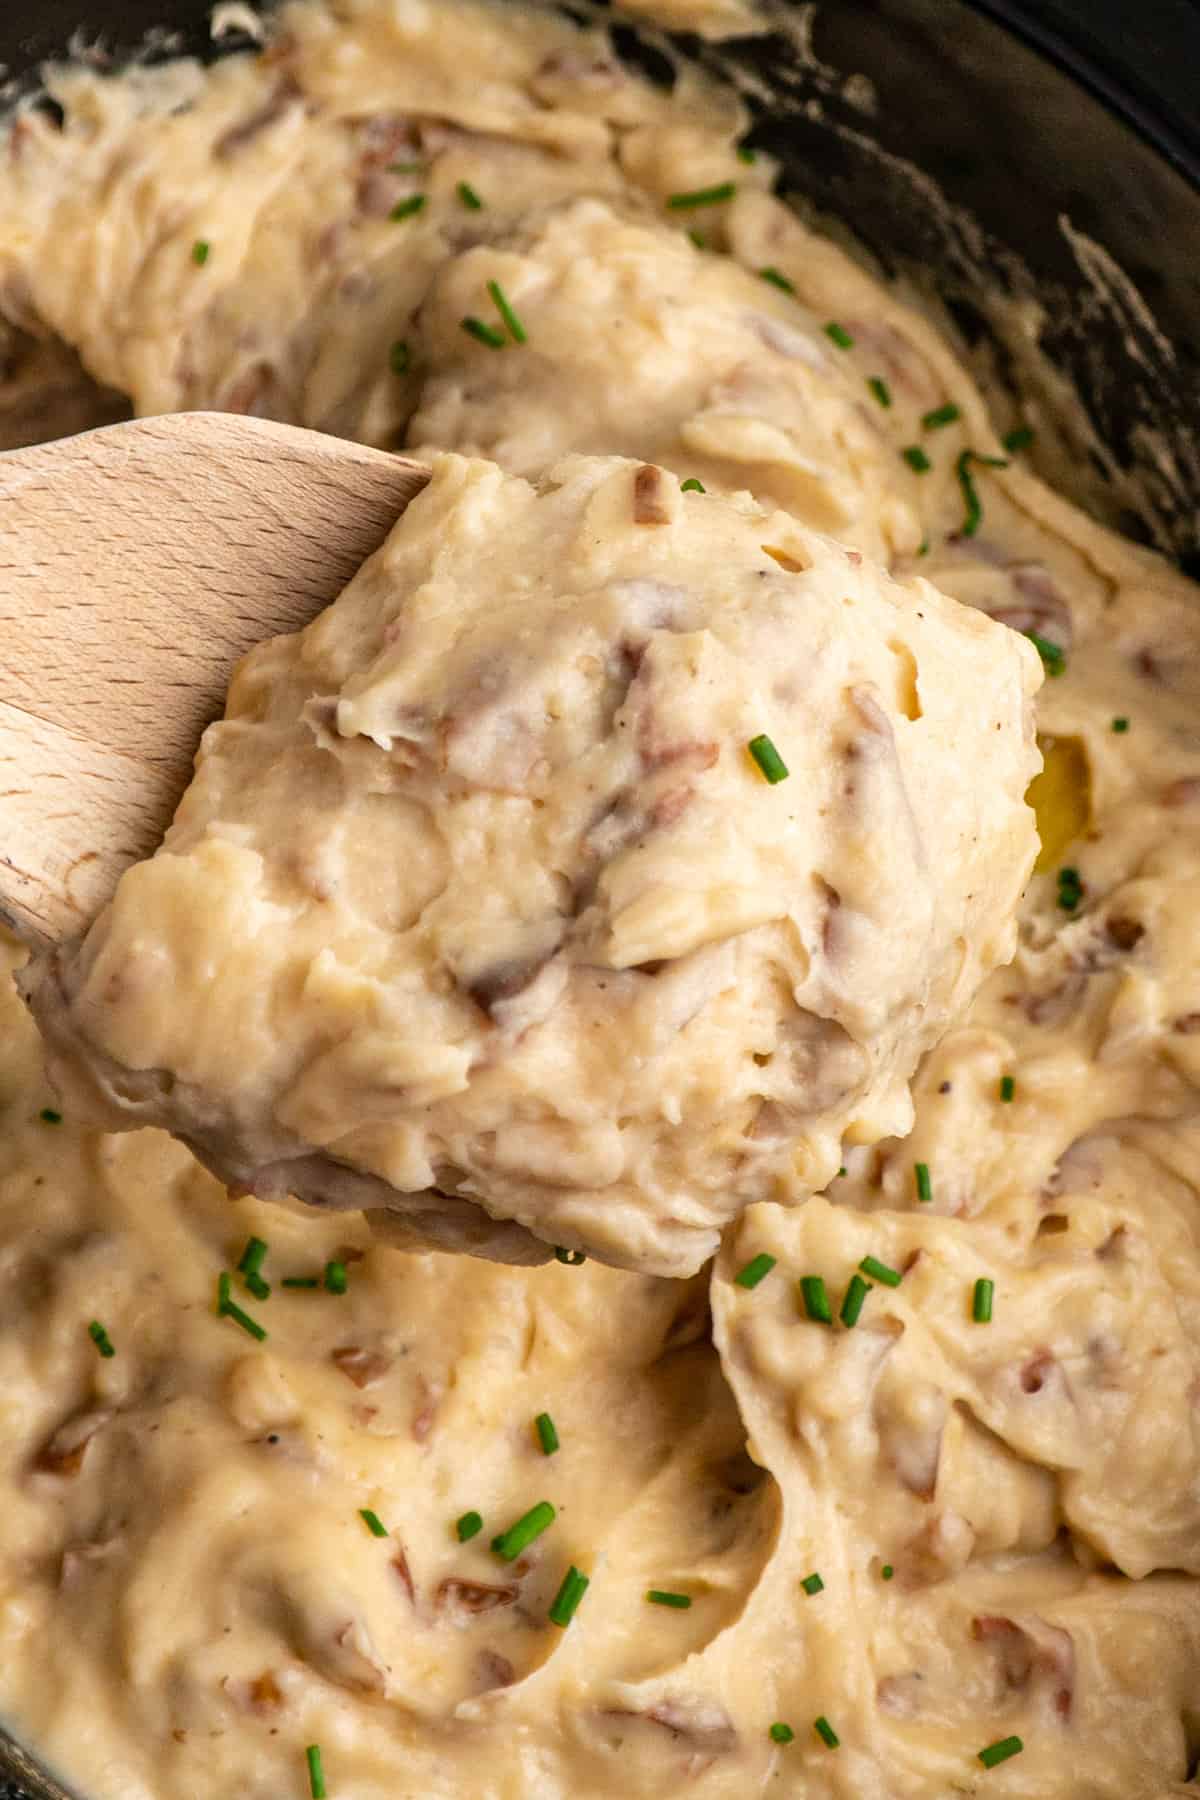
x=137 y=564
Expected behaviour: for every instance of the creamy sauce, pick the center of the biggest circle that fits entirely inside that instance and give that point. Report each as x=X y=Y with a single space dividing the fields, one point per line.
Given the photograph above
x=188 y=1595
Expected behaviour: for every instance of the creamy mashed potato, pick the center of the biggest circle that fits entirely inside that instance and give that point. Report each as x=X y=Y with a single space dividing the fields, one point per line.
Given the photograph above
x=893 y=1539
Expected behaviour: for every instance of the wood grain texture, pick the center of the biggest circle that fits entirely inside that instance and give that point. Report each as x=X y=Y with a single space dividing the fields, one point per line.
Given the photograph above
x=137 y=564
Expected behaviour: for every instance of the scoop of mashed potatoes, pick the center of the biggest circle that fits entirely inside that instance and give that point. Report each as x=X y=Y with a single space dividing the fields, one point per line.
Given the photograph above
x=481 y=910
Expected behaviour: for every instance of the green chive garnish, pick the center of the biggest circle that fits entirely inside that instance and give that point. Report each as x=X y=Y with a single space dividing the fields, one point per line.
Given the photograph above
x=300 y=1281
x=518 y=1537
x=200 y=250
x=826 y=1733
x=316 y=1773
x=664 y=1597
x=1070 y=889
x=405 y=168
x=572 y=1258
x=258 y=1287
x=469 y=197
x=253 y=1257
x=880 y=389
x=778 y=279
x=816 y=1299
x=483 y=334
x=1008 y=1087
x=753 y=1272
x=981 y=1302
x=781 y=1733
x=698 y=238
x=768 y=758
x=709 y=196
x=746 y=155
x=924 y=1184
x=852 y=1304
x=336 y=1280
x=407 y=209
x=1118 y=725
x=923 y=547
x=941 y=415
x=547 y=1435
x=916 y=459
x=399 y=360
x=227 y=1308
x=887 y=1571
x=812 y=1584
x=1020 y=439
x=566 y=1601
x=1000 y=1751
x=842 y=1170
x=970 y=493
x=879 y=1271
x=469 y=1526
x=1053 y=657
x=373 y=1522
x=503 y=305
x=692 y=486
x=101 y=1338
x=49 y=1116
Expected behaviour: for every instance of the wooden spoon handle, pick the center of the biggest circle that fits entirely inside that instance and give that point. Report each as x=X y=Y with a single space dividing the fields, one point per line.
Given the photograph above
x=137 y=564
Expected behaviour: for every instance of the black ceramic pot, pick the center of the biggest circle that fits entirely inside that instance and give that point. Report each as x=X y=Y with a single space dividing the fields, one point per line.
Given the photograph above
x=992 y=123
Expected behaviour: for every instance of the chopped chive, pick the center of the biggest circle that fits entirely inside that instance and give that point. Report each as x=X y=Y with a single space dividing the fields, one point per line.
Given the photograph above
x=812 y=1584
x=887 y=1571
x=698 y=238
x=816 y=1299
x=981 y=1301
x=709 y=196
x=483 y=334
x=1054 y=658
x=407 y=209
x=469 y=197
x=781 y=1733
x=692 y=486
x=970 y=493
x=839 y=334
x=842 y=1170
x=664 y=1597
x=852 y=1304
x=1118 y=725
x=300 y=1281
x=879 y=1271
x=200 y=252
x=768 y=758
x=373 y=1522
x=572 y=1258
x=49 y=1116
x=1008 y=1087
x=826 y=1733
x=258 y=1287
x=916 y=459
x=941 y=415
x=778 y=279
x=746 y=155
x=316 y=1773
x=1020 y=439
x=336 y=1280
x=101 y=1338
x=924 y=1184
x=468 y=1526
x=1000 y=1751
x=399 y=360
x=754 y=1271
x=547 y=1434
x=880 y=389
x=1070 y=889
x=503 y=305
x=227 y=1308
x=253 y=1257
x=923 y=547
x=566 y=1601
x=509 y=1544
x=405 y=168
